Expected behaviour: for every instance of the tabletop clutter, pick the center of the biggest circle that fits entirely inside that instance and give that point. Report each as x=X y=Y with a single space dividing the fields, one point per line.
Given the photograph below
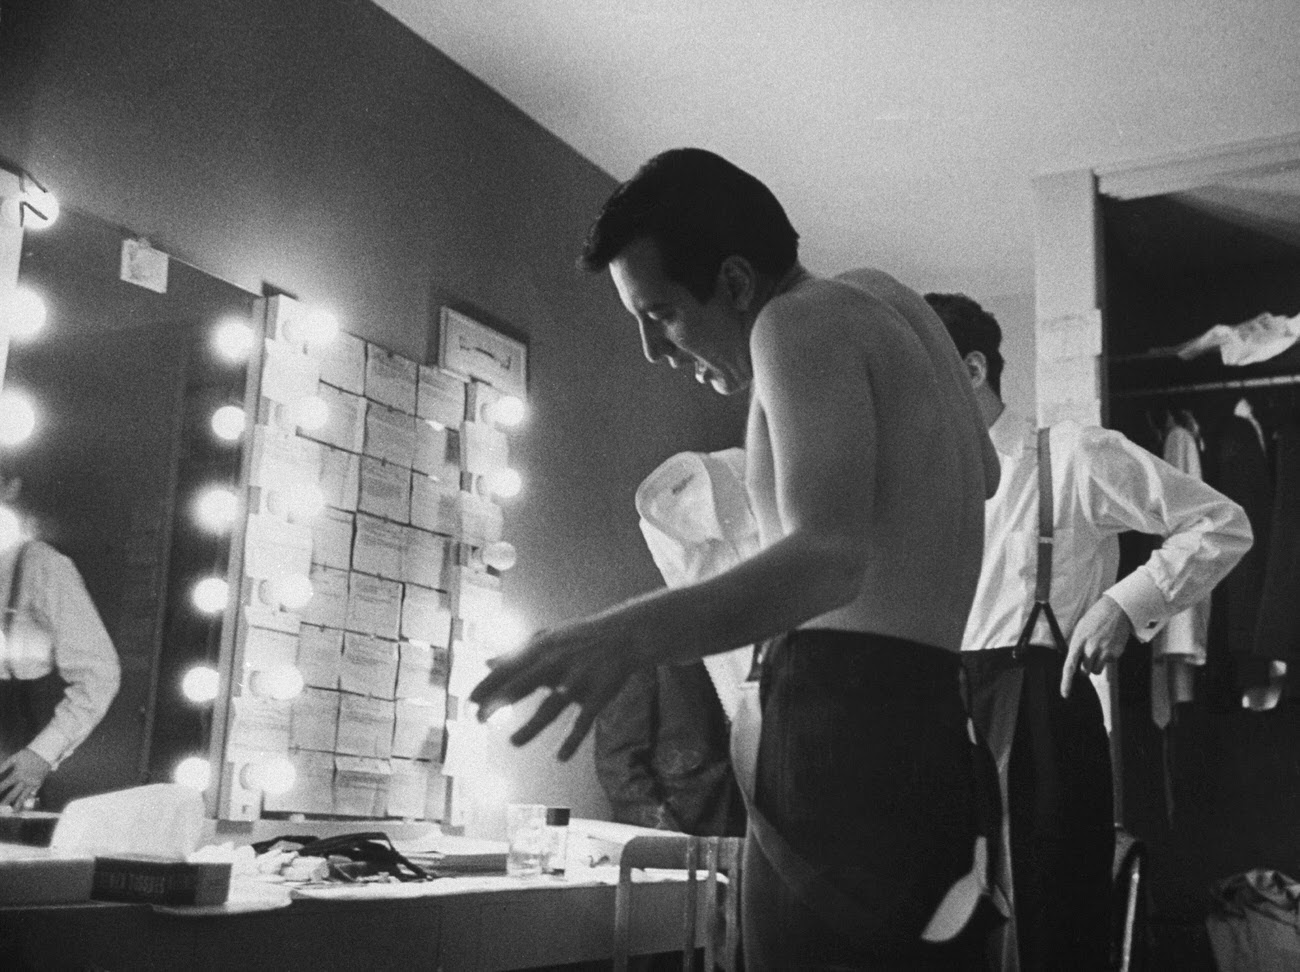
x=143 y=845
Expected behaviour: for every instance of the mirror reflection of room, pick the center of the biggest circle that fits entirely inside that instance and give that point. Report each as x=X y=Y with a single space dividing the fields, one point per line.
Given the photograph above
x=121 y=381
x=335 y=500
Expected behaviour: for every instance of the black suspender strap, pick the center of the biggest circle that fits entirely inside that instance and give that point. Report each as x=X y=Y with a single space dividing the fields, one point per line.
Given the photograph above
x=1046 y=542
x=11 y=602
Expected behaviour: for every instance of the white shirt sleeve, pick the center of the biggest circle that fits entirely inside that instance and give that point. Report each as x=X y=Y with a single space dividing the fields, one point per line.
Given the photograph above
x=83 y=653
x=1205 y=533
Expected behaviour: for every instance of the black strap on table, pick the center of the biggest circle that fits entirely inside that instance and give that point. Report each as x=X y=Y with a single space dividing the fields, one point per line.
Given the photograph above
x=1046 y=542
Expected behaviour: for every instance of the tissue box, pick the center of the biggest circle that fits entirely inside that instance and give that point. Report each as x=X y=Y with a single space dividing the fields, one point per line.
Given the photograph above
x=35 y=875
x=158 y=881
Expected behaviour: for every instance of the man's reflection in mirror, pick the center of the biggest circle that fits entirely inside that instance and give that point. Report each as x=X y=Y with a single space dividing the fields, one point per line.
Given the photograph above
x=58 y=668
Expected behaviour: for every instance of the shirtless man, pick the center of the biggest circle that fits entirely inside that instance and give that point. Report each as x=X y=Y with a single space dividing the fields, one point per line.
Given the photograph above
x=868 y=470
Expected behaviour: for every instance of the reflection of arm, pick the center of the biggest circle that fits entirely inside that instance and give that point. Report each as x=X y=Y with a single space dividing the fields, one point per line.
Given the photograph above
x=84 y=655
x=624 y=747
x=1205 y=533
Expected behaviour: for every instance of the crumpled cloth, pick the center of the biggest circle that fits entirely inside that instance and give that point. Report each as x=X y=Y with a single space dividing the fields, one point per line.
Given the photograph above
x=696 y=520
x=1254 y=922
x=1258 y=339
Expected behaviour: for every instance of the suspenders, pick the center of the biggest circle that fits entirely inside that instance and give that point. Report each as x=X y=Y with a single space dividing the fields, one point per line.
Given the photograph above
x=1046 y=540
x=11 y=607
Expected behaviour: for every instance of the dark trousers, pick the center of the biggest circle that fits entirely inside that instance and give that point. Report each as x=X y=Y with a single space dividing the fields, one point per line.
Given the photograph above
x=867 y=769
x=1059 y=805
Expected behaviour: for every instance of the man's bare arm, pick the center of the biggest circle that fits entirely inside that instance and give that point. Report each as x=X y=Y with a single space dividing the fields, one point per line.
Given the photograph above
x=822 y=426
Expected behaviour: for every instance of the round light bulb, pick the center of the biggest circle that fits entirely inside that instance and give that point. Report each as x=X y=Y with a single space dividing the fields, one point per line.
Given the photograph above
x=29 y=313
x=500 y=555
x=201 y=684
x=11 y=528
x=216 y=509
x=17 y=418
x=209 y=595
x=507 y=411
x=271 y=774
x=310 y=413
x=233 y=340
x=291 y=591
x=280 y=682
x=503 y=482
x=228 y=423
x=194 y=772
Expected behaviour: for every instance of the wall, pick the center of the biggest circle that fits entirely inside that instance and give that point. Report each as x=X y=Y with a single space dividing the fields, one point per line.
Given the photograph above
x=321 y=148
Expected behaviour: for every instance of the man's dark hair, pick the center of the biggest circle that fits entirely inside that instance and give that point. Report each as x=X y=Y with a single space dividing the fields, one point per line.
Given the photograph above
x=698 y=209
x=972 y=329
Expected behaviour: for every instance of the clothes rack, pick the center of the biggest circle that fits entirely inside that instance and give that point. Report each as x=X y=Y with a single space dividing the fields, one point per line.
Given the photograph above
x=1227 y=385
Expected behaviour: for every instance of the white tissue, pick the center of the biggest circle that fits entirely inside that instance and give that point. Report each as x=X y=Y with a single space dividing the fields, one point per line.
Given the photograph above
x=159 y=820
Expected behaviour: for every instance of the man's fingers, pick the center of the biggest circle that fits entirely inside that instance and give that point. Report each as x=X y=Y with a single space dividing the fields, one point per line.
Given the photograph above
x=581 y=726
x=546 y=713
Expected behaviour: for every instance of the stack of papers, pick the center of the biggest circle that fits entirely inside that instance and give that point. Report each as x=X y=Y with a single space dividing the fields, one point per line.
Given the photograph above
x=445 y=854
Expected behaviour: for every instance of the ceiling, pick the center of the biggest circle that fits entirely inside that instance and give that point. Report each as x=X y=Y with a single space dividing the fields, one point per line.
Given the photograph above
x=899 y=133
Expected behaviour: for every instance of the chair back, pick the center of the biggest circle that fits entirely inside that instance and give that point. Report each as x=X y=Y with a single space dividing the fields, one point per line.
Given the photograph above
x=713 y=855
x=1129 y=873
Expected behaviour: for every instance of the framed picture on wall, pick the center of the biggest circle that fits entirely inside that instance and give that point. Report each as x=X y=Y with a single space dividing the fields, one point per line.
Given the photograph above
x=475 y=349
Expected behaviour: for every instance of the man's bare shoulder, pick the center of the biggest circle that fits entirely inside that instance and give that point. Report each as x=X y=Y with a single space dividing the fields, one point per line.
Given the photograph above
x=834 y=308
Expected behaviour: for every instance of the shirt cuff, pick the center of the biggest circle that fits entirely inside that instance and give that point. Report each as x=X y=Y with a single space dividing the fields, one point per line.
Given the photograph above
x=1140 y=598
x=52 y=746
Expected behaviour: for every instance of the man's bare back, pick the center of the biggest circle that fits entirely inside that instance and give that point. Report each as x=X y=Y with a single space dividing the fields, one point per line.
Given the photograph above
x=876 y=350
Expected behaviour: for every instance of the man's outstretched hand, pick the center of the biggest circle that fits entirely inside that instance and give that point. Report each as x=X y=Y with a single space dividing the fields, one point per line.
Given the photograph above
x=584 y=663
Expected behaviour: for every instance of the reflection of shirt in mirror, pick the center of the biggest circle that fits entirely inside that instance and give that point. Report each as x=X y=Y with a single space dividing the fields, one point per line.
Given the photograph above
x=51 y=627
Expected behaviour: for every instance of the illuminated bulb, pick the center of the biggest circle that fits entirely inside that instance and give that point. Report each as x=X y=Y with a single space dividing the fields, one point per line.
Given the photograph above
x=228 y=422
x=233 y=340
x=310 y=413
x=11 y=529
x=209 y=595
x=216 y=509
x=281 y=682
x=507 y=411
x=290 y=591
x=201 y=684
x=500 y=555
x=28 y=316
x=504 y=483
x=17 y=417
x=272 y=774
x=194 y=772
x=436 y=426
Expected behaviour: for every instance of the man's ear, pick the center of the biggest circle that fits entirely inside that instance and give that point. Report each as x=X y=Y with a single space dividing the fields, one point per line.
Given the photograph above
x=977 y=368
x=738 y=281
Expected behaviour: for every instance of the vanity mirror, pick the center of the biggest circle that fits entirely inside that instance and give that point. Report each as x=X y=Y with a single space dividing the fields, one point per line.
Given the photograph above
x=125 y=473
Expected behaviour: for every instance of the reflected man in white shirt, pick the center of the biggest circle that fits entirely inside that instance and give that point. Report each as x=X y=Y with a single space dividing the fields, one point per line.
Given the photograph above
x=59 y=671
x=1037 y=708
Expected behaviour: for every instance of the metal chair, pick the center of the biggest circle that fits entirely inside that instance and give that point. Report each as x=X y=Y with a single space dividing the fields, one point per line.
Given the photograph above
x=1129 y=872
x=715 y=855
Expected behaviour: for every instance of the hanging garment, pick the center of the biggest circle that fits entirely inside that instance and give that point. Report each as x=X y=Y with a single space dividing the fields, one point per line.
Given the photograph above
x=696 y=520
x=1262 y=337
x=1277 y=630
x=1237 y=466
x=1180 y=647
